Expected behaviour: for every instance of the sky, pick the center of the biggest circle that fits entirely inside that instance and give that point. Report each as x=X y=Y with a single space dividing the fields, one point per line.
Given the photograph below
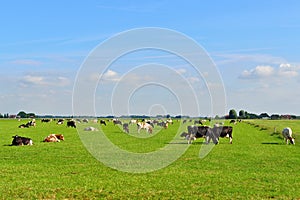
x=254 y=46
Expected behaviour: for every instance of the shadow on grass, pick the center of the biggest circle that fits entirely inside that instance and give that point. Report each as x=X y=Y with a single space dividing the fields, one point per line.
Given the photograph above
x=185 y=142
x=271 y=143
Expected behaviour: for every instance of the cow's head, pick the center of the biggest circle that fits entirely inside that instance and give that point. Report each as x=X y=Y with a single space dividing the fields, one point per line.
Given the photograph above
x=292 y=140
x=60 y=136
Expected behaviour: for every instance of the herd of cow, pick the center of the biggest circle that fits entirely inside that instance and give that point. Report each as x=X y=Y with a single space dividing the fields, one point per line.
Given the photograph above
x=198 y=130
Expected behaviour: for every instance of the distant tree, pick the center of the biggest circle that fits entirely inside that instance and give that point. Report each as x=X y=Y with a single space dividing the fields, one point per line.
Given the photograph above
x=293 y=117
x=252 y=116
x=232 y=114
x=275 y=116
x=22 y=114
x=264 y=115
x=242 y=114
x=30 y=115
x=1 y=116
x=247 y=115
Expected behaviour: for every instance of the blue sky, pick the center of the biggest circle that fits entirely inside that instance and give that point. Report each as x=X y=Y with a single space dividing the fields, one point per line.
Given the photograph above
x=255 y=45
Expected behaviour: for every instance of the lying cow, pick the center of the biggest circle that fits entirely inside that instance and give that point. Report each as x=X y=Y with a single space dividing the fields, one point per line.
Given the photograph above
x=45 y=120
x=51 y=138
x=90 y=128
x=60 y=121
x=24 y=126
x=117 y=121
x=287 y=135
x=19 y=141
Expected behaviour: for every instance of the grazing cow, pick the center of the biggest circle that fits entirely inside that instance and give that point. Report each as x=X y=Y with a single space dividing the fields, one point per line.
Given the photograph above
x=170 y=121
x=219 y=131
x=232 y=121
x=90 y=129
x=102 y=122
x=116 y=121
x=184 y=134
x=195 y=132
x=85 y=121
x=163 y=124
x=51 y=138
x=287 y=135
x=71 y=124
x=126 y=127
x=133 y=121
x=146 y=126
x=19 y=141
x=150 y=122
x=198 y=122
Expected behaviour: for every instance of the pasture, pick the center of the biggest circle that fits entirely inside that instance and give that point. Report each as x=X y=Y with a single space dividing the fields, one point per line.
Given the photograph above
x=258 y=165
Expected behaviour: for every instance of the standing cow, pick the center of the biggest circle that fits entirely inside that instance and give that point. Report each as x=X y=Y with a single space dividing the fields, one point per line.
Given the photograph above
x=287 y=135
x=126 y=127
x=219 y=131
x=71 y=124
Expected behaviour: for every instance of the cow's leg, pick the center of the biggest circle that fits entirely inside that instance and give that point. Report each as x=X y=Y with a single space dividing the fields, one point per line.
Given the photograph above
x=207 y=139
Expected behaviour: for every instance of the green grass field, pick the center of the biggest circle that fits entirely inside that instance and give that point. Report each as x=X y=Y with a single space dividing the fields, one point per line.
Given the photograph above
x=258 y=165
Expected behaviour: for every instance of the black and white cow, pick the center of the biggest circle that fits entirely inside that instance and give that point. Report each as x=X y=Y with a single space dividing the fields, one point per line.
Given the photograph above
x=24 y=126
x=60 y=121
x=126 y=127
x=19 y=141
x=71 y=124
x=117 y=121
x=219 y=131
x=46 y=120
x=287 y=135
x=195 y=132
x=102 y=122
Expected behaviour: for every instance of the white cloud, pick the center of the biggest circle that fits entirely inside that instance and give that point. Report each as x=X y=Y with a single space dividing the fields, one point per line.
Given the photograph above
x=287 y=70
x=284 y=70
x=193 y=80
x=27 y=62
x=225 y=59
x=35 y=80
x=111 y=75
x=181 y=71
x=258 y=72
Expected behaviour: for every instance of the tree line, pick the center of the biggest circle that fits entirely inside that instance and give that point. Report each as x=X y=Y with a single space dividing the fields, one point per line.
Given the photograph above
x=246 y=115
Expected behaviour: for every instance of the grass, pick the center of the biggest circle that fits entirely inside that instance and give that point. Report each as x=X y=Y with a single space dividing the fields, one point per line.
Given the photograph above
x=258 y=165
